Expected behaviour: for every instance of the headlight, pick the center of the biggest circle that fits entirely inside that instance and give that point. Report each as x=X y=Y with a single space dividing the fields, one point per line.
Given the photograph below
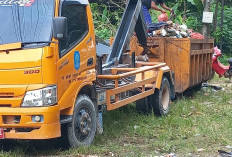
x=43 y=97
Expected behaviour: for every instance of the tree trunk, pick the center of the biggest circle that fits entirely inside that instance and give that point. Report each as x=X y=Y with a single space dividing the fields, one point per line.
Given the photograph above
x=185 y=10
x=222 y=22
x=206 y=26
x=215 y=16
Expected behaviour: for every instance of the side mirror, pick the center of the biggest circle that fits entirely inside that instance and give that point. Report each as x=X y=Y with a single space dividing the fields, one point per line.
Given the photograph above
x=60 y=27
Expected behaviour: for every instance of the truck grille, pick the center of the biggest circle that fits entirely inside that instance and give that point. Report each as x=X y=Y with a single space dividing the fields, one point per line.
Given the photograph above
x=5 y=105
x=6 y=95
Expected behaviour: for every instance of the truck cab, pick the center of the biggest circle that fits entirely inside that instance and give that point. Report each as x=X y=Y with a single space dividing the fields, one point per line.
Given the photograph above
x=41 y=76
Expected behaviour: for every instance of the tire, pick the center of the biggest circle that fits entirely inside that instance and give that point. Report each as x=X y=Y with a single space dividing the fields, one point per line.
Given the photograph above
x=160 y=100
x=81 y=131
x=143 y=106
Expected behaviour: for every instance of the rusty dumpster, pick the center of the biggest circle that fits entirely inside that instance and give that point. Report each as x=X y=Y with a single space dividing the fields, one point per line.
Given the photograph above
x=189 y=59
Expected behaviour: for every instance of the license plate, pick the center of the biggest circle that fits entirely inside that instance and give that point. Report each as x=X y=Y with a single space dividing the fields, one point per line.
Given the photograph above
x=2 y=133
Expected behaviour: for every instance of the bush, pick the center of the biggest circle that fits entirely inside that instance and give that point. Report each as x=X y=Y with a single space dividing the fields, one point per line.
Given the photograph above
x=106 y=18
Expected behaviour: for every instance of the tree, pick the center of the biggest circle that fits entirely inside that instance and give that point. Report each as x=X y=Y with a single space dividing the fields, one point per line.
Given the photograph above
x=206 y=27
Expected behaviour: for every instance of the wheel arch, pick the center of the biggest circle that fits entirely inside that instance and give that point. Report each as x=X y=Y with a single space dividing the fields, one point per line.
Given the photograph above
x=88 y=90
x=165 y=71
x=84 y=89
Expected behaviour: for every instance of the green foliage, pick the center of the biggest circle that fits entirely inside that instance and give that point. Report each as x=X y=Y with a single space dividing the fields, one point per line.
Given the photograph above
x=198 y=4
x=105 y=20
x=224 y=58
x=194 y=10
x=178 y=12
x=194 y=22
x=107 y=15
x=227 y=30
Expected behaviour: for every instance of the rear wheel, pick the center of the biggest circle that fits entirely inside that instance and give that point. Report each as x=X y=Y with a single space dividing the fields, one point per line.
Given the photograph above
x=160 y=100
x=143 y=106
x=82 y=129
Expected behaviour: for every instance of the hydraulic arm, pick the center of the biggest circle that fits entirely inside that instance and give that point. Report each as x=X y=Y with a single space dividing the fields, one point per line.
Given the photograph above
x=132 y=21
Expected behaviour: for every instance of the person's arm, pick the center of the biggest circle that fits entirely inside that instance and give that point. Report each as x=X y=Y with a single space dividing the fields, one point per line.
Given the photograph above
x=154 y=6
x=165 y=7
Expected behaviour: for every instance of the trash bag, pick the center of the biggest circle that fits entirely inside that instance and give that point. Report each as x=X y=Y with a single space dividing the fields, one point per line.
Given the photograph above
x=195 y=35
x=163 y=17
x=156 y=26
x=217 y=52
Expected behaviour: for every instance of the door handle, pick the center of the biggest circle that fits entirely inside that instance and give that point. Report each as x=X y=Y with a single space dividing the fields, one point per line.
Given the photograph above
x=90 y=61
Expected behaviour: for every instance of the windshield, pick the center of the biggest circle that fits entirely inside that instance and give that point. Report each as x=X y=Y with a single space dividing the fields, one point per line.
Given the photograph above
x=26 y=20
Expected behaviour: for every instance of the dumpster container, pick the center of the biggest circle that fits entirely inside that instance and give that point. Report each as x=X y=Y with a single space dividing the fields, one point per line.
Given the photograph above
x=189 y=59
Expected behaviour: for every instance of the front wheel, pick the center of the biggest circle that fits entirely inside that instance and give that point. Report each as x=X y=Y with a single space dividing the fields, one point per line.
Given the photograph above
x=160 y=100
x=82 y=129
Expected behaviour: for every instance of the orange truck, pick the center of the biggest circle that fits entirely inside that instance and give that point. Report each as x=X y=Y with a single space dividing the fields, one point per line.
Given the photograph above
x=49 y=78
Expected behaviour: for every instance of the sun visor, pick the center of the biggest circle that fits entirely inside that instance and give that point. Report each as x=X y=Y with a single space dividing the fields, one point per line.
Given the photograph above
x=21 y=3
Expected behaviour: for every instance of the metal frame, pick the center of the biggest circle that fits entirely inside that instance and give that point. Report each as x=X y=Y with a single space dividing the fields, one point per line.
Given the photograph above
x=141 y=85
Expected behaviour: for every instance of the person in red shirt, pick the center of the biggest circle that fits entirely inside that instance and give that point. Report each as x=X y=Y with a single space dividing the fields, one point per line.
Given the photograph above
x=148 y=4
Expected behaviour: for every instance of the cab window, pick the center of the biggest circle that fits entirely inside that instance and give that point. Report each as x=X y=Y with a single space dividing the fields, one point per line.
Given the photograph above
x=77 y=26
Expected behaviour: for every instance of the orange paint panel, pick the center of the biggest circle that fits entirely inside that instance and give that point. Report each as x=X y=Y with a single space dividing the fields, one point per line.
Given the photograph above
x=130 y=73
x=17 y=90
x=129 y=100
x=13 y=102
x=49 y=66
x=147 y=74
x=11 y=46
x=159 y=79
x=49 y=128
x=19 y=59
x=67 y=75
x=36 y=86
x=21 y=76
x=68 y=99
x=47 y=131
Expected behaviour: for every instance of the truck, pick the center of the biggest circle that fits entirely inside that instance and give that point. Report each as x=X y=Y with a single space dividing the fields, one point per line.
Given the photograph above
x=53 y=84
x=50 y=84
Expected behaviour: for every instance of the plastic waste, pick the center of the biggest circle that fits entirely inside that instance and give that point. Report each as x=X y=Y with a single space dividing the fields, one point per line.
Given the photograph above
x=163 y=17
x=195 y=35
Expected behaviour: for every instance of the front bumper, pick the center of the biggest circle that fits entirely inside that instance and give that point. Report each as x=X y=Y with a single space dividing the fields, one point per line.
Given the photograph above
x=18 y=124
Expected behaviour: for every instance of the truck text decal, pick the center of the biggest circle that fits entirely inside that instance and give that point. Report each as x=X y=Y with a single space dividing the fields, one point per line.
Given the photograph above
x=31 y=72
x=21 y=3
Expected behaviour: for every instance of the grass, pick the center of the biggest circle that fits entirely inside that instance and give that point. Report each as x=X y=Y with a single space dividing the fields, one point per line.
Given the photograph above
x=198 y=125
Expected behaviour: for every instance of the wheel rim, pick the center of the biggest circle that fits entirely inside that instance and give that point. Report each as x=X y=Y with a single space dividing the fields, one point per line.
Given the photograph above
x=165 y=98
x=83 y=125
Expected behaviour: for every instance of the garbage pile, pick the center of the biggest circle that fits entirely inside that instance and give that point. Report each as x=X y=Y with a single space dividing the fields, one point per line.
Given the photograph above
x=169 y=29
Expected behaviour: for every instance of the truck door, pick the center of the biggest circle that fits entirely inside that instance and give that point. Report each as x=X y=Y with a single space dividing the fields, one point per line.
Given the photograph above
x=76 y=51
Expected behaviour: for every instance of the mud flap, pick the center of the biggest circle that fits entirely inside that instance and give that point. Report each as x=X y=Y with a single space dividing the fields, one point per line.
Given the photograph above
x=99 y=123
